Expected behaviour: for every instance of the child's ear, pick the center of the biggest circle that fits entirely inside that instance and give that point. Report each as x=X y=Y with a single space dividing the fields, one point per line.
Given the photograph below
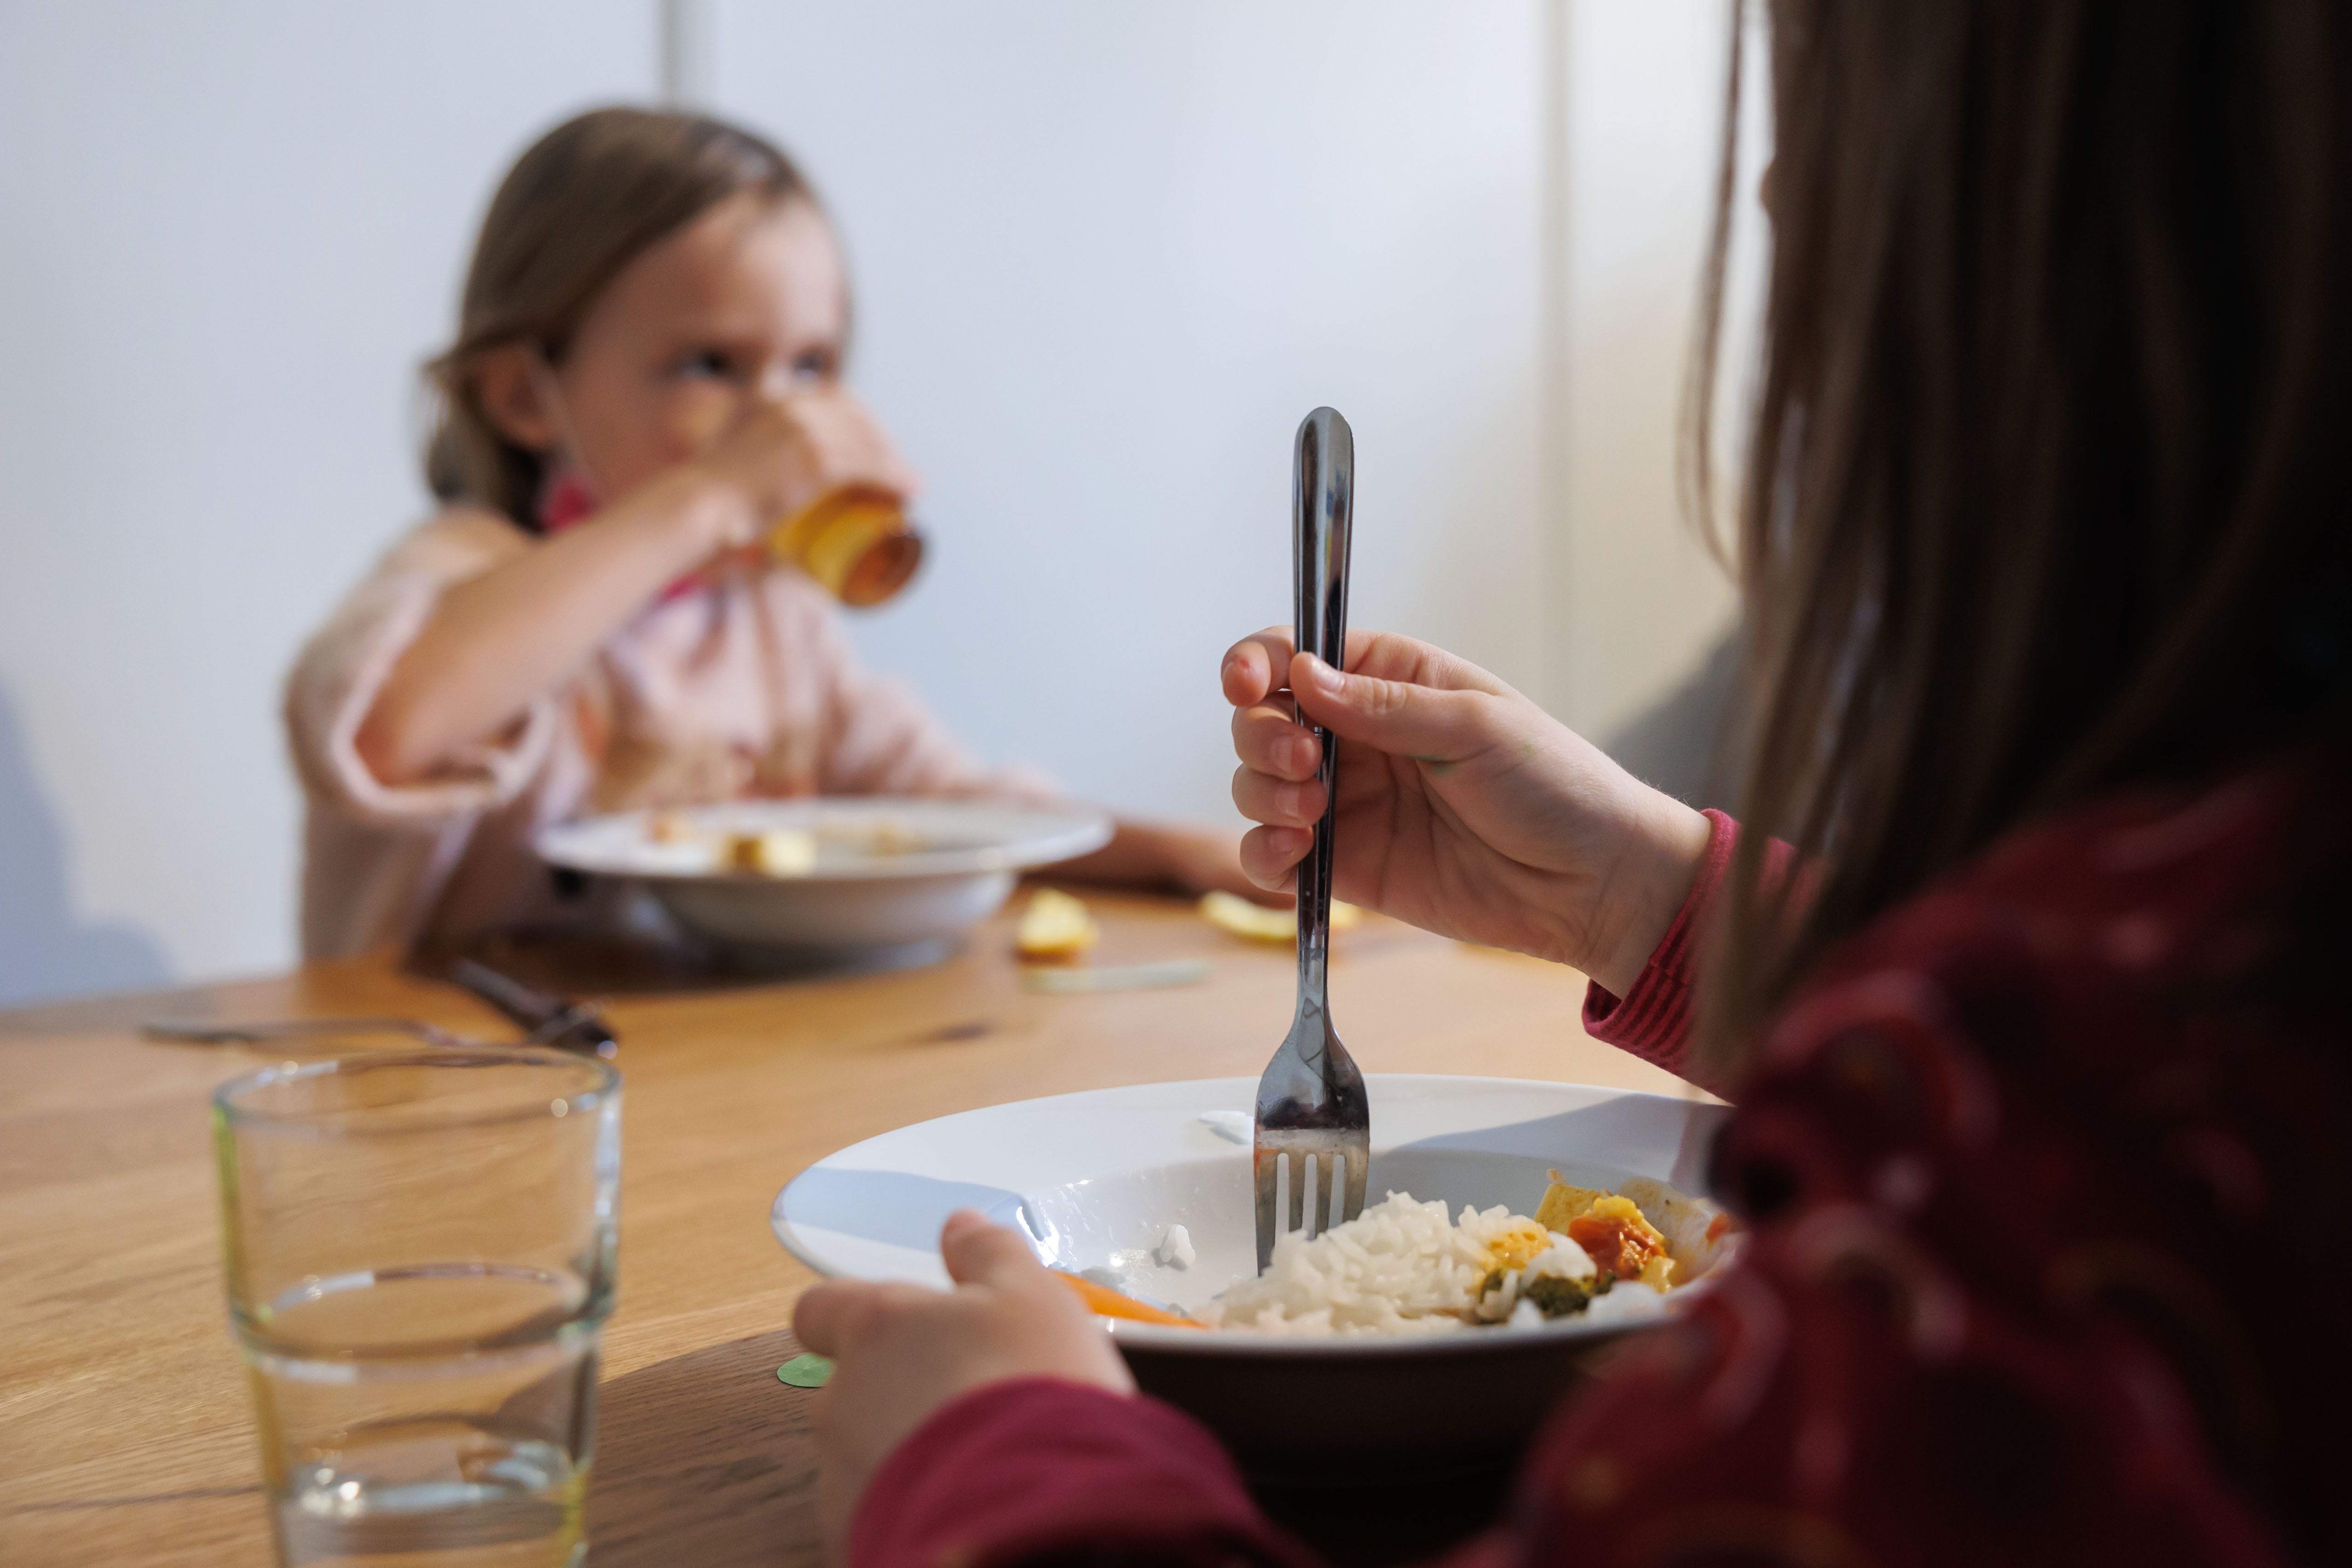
x=510 y=384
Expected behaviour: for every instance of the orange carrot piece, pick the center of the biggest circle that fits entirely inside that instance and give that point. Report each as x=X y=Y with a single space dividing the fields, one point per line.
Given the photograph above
x=1105 y=1302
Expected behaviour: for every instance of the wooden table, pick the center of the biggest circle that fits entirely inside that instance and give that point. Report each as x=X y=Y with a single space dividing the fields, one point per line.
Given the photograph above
x=125 y=1436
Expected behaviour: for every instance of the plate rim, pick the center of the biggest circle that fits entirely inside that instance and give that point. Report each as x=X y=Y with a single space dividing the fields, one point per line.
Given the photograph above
x=1078 y=830
x=1252 y=1344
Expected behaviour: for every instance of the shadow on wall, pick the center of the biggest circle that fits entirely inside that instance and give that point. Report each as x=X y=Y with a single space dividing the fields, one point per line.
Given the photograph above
x=1687 y=743
x=44 y=951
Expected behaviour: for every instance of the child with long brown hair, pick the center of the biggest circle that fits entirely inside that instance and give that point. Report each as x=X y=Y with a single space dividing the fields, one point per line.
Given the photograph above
x=646 y=377
x=2040 y=1056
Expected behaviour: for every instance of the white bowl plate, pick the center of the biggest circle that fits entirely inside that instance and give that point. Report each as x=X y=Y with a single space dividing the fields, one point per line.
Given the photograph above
x=855 y=898
x=1093 y=1180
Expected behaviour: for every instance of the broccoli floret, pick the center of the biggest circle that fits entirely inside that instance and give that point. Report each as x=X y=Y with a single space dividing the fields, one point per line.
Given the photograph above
x=1555 y=1297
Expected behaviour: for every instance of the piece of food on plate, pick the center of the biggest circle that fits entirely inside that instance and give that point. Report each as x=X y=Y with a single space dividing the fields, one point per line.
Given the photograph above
x=668 y=827
x=1621 y=1242
x=1405 y=1267
x=1408 y=1268
x=1557 y=1282
x=1516 y=1243
x=1105 y=1302
x=1611 y=1229
x=1563 y=1201
x=1541 y=1269
x=1256 y=922
x=1700 y=1237
x=879 y=837
x=1055 y=929
x=776 y=852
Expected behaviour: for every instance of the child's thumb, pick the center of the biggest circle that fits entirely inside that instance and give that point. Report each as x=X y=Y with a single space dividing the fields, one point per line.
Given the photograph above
x=1424 y=723
x=978 y=1253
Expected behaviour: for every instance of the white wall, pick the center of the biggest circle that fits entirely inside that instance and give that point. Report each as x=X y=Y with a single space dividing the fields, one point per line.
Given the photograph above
x=1106 y=257
x=1635 y=594
x=232 y=233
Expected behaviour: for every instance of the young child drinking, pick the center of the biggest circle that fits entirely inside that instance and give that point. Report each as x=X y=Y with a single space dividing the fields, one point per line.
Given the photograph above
x=646 y=380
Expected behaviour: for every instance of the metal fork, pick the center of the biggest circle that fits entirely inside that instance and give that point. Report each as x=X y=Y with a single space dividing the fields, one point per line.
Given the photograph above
x=1310 y=1103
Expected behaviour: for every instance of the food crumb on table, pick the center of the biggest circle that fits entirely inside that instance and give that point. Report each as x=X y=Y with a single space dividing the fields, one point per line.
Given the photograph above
x=1055 y=929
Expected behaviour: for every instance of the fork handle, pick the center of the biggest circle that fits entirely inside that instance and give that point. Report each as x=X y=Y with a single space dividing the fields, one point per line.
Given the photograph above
x=1323 y=493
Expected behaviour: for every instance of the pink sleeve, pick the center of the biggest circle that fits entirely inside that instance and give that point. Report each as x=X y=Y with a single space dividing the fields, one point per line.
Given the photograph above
x=1040 y=1469
x=886 y=741
x=1653 y=1020
x=339 y=673
x=874 y=735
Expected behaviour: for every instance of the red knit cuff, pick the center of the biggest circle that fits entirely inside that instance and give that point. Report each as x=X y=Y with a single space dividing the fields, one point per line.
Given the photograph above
x=1038 y=1466
x=1653 y=1020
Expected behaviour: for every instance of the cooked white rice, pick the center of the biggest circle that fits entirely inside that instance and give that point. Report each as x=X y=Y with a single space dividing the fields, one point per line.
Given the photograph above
x=1406 y=1268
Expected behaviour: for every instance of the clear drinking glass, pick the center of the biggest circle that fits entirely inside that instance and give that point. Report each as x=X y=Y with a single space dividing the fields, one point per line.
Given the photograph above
x=420 y=1257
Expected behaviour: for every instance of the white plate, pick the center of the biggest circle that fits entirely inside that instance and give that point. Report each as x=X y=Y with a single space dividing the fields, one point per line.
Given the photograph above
x=852 y=899
x=1095 y=1179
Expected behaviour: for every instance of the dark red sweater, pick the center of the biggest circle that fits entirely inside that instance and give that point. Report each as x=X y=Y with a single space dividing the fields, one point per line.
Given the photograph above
x=2049 y=1177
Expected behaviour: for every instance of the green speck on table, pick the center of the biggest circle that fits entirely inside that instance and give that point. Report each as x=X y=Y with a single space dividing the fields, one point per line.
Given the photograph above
x=805 y=1371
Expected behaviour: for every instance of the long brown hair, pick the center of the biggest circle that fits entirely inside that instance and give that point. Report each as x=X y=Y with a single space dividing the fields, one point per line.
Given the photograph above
x=588 y=198
x=2049 y=478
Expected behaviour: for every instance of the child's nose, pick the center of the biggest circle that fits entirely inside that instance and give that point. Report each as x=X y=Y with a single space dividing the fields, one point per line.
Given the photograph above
x=776 y=381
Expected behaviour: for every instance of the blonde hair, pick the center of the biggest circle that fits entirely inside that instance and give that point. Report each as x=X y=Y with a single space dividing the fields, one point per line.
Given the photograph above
x=588 y=198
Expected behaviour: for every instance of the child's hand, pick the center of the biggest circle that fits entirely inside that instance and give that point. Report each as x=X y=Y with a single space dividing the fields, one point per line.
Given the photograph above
x=1463 y=807
x=782 y=453
x=902 y=1352
x=1154 y=857
x=1197 y=860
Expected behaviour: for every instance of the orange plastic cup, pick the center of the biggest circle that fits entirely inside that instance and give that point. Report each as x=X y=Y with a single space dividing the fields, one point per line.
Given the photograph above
x=856 y=540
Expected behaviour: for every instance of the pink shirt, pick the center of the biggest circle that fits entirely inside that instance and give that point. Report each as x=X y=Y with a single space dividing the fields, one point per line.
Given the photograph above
x=744 y=687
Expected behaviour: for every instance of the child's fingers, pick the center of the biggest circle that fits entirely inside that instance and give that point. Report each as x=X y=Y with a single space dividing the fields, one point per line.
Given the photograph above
x=853 y=456
x=1248 y=672
x=1399 y=717
x=825 y=1318
x=1278 y=803
x=1271 y=741
x=1260 y=665
x=868 y=456
x=855 y=443
x=1389 y=657
x=1270 y=856
x=814 y=441
x=978 y=1253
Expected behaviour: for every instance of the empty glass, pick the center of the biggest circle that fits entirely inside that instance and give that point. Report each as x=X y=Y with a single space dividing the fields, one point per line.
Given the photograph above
x=420 y=1257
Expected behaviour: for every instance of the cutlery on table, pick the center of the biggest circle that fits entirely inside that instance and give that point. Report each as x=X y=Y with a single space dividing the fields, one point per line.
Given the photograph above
x=253 y=1034
x=552 y=1020
x=1312 y=1141
x=548 y=1020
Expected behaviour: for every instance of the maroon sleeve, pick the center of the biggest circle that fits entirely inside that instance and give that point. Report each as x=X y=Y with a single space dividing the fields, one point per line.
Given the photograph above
x=1039 y=1469
x=1985 y=1156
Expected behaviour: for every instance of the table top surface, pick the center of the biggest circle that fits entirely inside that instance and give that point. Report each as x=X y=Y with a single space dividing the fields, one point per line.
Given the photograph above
x=125 y=1433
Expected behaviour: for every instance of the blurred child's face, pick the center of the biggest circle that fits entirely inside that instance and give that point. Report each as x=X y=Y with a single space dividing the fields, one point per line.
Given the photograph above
x=748 y=300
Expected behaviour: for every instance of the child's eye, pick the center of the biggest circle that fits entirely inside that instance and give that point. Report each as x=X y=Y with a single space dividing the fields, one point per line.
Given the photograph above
x=712 y=364
x=814 y=364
